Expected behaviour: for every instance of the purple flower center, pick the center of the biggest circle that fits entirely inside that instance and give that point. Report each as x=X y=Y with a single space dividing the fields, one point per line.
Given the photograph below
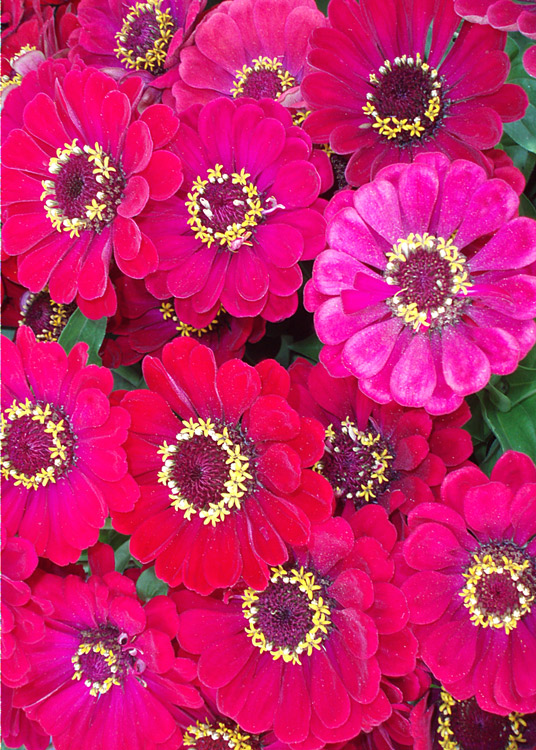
x=431 y=278
x=38 y=444
x=263 y=78
x=104 y=657
x=500 y=586
x=405 y=102
x=86 y=187
x=143 y=41
x=219 y=737
x=46 y=318
x=358 y=465
x=463 y=725
x=290 y=617
x=209 y=470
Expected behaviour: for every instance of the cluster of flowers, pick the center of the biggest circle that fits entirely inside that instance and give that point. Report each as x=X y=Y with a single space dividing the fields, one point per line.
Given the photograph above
x=337 y=572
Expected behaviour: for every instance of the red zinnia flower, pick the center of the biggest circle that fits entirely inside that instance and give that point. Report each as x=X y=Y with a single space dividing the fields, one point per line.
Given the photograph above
x=244 y=217
x=427 y=287
x=17 y=729
x=472 y=600
x=105 y=674
x=77 y=172
x=378 y=453
x=306 y=655
x=223 y=490
x=252 y=48
x=389 y=84
x=62 y=464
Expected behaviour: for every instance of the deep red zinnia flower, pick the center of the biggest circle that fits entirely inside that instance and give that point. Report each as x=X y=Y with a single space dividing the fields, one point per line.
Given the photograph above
x=77 y=173
x=225 y=484
x=440 y=722
x=389 y=83
x=144 y=324
x=17 y=729
x=472 y=597
x=251 y=48
x=427 y=287
x=306 y=655
x=105 y=674
x=63 y=466
x=378 y=453
x=244 y=217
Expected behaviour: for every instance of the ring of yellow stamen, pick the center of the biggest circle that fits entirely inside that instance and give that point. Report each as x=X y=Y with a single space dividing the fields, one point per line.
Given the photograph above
x=235 y=740
x=185 y=329
x=53 y=426
x=109 y=656
x=320 y=613
x=58 y=316
x=286 y=81
x=392 y=127
x=458 y=282
x=15 y=80
x=200 y=211
x=447 y=740
x=497 y=564
x=154 y=58
x=235 y=487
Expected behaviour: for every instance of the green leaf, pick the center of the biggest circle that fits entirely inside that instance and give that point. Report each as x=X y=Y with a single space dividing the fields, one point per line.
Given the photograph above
x=122 y=556
x=493 y=454
x=9 y=333
x=80 y=328
x=521 y=384
x=526 y=207
x=514 y=429
x=523 y=131
x=309 y=347
x=128 y=378
x=148 y=585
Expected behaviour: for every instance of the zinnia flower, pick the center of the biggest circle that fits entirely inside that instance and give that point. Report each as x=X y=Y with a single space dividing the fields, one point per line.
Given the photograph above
x=389 y=83
x=251 y=48
x=105 y=674
x=225 y=485
x=472 y=597
x=244 y=217
x=426 y=288
x=306 y=655
x=17 y=729
x=378 y=453
x=73 y=188
x=63 y=466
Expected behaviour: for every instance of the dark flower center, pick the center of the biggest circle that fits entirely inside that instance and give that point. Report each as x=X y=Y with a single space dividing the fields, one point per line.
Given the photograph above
x=46 y=318
x=431 y=278
x=405 y=103
x=219 y=737
x=263 y=78
x=463 y=725
x=500 y=587
x=86 y=188
x=290 y=617
x=358 y=465
x=185 y=329
x=143 y=41
x=210 y=470
x=104 y=657
x=38 y=444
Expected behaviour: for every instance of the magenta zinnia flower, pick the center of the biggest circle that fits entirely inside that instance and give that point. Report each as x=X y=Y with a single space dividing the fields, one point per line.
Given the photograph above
x=426 y=288
x=63 y=466
x=244 y=217
x=306 y=655
x=378 y=453
x=389 y=85
x=225 y=485
x=472 y=596
x=105 y=674
x=252 y=48
x=73 y=189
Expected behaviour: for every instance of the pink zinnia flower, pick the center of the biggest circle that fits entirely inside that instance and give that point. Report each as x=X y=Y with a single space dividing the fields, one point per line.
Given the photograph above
x=472 y=597
x=244 y=217
x=507 y=16
x=378 y=453
x=426 y=288
x=306 y=655
x=74 y=188
x=252 y=48
x=225 y=485
x=63 y=466
x=389 y=85
x=105 y=674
